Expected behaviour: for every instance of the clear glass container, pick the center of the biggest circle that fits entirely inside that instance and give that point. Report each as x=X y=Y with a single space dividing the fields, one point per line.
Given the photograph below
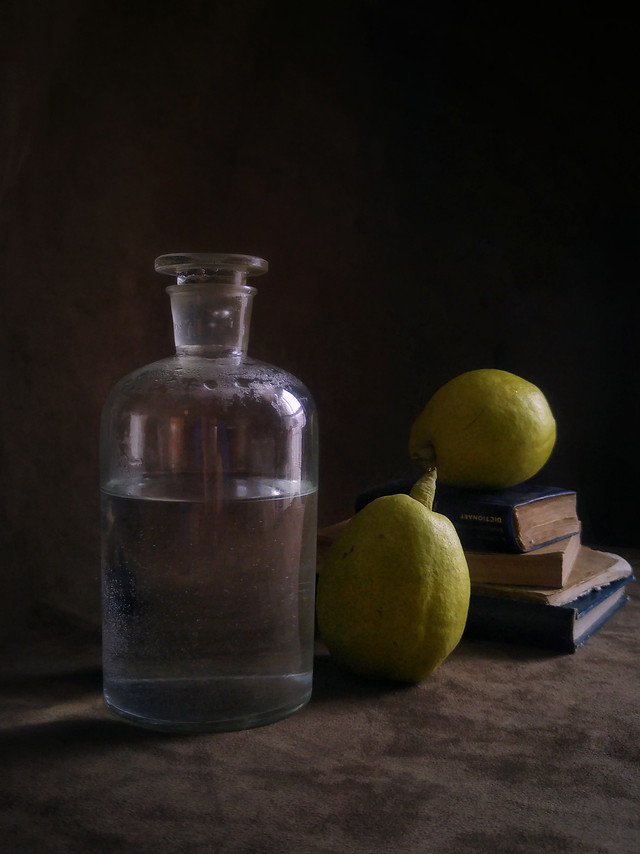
x=209 y=471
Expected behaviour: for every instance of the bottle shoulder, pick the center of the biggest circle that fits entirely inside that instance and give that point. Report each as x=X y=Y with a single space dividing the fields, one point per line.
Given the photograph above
x=230 y=379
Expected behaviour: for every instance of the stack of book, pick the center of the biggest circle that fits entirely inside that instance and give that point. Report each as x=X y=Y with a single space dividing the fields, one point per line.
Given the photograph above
x=533 y=581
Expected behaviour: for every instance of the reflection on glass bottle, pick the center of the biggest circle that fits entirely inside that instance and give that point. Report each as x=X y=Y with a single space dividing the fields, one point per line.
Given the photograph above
x=209 y=484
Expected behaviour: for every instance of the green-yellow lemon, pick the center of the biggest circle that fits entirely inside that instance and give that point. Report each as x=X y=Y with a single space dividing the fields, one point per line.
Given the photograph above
x=393 y=590
x=485 y=429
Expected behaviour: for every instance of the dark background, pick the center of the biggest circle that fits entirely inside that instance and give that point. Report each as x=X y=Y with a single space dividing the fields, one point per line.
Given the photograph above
x=434 y=191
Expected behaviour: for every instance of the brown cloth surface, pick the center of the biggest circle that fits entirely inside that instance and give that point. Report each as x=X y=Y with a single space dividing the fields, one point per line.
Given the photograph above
x=503 y=749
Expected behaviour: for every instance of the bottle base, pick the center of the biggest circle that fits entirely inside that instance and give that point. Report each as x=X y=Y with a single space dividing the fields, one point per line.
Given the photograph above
x=164 y=710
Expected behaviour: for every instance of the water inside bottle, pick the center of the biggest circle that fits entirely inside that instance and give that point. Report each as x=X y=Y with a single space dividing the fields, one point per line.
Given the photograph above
x=208 y=601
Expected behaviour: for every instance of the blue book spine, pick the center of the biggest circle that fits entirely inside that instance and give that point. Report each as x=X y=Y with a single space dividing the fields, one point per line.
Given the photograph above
x=553 y=627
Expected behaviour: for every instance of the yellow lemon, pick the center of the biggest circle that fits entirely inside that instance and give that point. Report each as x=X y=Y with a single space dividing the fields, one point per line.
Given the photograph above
x=393 y=590
x=485 y=429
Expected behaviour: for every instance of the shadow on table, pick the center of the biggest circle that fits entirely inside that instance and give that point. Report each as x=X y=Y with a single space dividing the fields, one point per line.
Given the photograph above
x=71 y=734
x=332 y=681
x=50 y=707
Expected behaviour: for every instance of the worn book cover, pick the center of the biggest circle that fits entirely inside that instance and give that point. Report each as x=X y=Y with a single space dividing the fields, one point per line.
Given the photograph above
x=548 y=566
x=591 y=569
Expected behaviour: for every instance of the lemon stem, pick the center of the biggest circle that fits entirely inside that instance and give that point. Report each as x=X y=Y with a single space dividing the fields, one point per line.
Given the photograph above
x=424 y=490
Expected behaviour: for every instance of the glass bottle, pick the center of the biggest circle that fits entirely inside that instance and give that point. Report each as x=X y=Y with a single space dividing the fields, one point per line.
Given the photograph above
x=208 y=503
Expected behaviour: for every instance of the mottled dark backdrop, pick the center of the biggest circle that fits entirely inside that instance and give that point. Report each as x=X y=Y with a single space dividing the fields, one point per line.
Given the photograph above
x=434 y=193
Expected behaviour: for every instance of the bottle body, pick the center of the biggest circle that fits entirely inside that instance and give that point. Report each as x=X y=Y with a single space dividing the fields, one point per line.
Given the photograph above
x=208 y=496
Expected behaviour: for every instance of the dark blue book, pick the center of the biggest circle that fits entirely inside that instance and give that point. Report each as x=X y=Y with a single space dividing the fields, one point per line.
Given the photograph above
x=561 y=628
x=517 y=519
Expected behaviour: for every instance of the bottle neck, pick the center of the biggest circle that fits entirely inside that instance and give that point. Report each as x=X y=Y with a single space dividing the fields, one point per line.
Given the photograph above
x=211 y=319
